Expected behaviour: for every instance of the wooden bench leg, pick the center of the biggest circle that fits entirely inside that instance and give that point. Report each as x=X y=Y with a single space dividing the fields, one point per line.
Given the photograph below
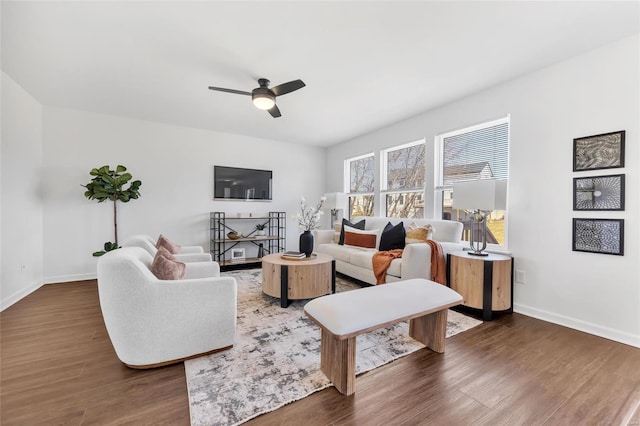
x=338 y=362
x=430 y=329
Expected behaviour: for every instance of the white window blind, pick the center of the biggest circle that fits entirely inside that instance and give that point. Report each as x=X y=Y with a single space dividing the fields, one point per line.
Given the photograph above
x=477 y=154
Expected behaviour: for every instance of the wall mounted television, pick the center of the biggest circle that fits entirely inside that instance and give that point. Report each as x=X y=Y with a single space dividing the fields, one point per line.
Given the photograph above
x=234 y=183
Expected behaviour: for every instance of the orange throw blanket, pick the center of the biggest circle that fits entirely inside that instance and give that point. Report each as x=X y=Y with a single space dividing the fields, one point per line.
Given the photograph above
x=438 y=264
x=382 y=260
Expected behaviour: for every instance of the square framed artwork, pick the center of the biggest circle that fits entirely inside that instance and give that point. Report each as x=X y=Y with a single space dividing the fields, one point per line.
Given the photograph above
x=598 y=193
x=604 y=236
x=605 y=151
x=237 y=254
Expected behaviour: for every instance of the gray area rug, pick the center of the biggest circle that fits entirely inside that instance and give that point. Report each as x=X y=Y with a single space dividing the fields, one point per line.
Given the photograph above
x=276 y=356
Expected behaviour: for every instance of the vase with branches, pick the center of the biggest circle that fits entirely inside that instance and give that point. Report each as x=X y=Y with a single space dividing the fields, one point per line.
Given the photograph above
x=108 y=184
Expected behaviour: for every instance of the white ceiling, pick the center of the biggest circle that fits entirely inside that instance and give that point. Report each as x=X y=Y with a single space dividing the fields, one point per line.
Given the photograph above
x=366 y=64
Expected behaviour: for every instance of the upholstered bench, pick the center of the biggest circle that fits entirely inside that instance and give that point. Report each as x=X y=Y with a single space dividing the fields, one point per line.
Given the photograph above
x=343 y=316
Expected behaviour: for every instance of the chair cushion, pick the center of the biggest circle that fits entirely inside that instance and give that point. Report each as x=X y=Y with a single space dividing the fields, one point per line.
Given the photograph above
x=166 y=268
x=164 y=242
x=345 y=222
x=392 y=237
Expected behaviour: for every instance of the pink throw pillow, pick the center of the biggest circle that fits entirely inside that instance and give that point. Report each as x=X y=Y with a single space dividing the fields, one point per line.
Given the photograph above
x=165 y=268
x=164 y=242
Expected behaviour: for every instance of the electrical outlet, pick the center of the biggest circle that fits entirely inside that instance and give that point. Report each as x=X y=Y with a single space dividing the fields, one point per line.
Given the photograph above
x=23 y=267
x=520 y=277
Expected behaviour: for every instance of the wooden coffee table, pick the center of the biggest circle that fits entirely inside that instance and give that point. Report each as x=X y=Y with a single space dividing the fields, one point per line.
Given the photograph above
x=293 y=279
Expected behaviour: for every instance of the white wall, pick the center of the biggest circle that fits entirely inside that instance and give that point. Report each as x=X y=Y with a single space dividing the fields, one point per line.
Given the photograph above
x=21 y=157
x=593 y=93
x=175 y=165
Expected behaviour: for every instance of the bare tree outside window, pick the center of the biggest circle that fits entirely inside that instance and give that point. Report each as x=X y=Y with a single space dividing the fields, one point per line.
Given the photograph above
x=405 y=180
x=361 y=181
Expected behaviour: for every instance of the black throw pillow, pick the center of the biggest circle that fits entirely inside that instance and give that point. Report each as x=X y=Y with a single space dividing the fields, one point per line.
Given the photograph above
x=359 y=225
x=392 y=237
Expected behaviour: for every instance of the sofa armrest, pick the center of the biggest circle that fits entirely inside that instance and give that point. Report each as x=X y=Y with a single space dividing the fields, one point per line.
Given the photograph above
x=190 y=250
x=416 y=261
x=193 y=257
x=202 y=270
x=323 y=236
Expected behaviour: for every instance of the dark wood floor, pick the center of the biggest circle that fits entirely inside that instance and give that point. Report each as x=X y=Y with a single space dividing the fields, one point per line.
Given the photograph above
x=58 y=367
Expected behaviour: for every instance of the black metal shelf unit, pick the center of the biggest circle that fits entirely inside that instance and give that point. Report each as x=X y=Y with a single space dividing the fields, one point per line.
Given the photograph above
x=221 y=245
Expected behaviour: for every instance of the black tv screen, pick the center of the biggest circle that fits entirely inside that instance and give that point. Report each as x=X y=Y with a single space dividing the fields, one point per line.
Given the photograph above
x=234 y=183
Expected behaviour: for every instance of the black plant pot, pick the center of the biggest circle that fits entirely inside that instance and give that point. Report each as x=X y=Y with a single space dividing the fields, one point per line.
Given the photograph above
x=306 y=243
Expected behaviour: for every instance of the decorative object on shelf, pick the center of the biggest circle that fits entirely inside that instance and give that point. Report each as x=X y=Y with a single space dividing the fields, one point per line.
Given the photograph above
x=604 y=236
x=479 y=197
x=108 y=184
x=260 y=229
x=260 y=251
x=598 y=193
x=237 y=254
x=335 y=201
x=234 y=235
x=605 y=151
x=308 y=220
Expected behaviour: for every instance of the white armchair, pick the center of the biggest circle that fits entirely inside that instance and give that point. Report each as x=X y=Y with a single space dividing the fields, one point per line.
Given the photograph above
x=153 y=322
x=187 y=253
x=183 y=249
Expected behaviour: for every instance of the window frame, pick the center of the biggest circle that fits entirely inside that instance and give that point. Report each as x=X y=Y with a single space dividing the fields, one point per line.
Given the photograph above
x=347 y=181
x=439 y=187
x=384 y=190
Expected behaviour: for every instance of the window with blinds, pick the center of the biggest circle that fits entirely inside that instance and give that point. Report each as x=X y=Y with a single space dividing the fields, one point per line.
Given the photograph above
x=478 y=152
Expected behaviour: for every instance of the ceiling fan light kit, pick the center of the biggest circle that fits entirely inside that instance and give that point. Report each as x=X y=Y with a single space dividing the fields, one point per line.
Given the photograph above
x=263 y=97
x=264 y=101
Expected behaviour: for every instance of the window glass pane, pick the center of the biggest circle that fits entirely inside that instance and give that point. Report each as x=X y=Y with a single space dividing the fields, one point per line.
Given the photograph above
x=405 y=204
x=406 y=168
x=361 y=205
x=477 y=154
x=361 y=175
x=480 y=154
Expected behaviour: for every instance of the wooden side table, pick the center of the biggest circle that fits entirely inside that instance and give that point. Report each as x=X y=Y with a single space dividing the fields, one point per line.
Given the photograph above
x=485 y=282
x=292 y=279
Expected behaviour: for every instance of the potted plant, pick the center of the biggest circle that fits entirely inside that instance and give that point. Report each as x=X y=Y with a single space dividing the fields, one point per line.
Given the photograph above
x=110 y=184
x=260 y=229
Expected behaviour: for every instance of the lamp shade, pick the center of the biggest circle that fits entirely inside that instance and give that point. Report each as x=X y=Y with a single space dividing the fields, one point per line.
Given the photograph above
x=482 y=194
x=335 y=200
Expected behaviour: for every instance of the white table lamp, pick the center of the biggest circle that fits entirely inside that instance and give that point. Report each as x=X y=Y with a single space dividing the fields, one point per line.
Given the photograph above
x=479 y=197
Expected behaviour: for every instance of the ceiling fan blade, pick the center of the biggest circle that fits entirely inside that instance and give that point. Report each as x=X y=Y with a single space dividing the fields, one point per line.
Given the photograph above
x=237 y=92
x=289 y=87
x=275 y=111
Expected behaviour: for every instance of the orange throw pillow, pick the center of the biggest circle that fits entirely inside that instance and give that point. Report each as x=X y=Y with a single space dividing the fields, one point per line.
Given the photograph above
x=360 y=240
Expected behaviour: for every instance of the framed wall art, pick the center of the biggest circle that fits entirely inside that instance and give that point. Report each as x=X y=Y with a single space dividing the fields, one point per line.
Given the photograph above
x=604 y=236
x=598 y=193
x=605 y=151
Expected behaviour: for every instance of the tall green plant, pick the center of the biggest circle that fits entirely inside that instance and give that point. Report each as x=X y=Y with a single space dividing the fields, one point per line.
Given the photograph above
x=110 y=184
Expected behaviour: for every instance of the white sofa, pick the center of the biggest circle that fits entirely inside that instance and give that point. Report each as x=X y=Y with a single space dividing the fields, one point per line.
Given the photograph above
x=154 y=322
x=416 y=258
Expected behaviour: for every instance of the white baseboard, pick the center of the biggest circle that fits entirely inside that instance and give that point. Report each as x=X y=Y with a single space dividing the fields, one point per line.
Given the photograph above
x=19 y=295
x=576 y=324
x=69 y=278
